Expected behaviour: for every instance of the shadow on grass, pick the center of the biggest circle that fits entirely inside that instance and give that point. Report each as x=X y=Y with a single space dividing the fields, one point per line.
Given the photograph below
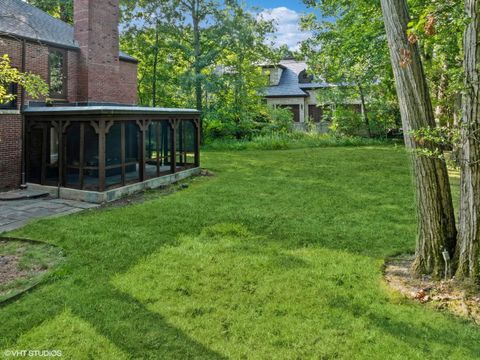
x=447 y=337
x=124 y=321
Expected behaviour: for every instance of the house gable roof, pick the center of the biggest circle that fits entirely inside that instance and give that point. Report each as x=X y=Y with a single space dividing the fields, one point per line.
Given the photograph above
x=19 y=19
x=289 y=85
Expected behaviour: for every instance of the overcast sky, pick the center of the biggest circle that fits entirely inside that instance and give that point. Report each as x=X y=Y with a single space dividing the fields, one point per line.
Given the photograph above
x=286 y=14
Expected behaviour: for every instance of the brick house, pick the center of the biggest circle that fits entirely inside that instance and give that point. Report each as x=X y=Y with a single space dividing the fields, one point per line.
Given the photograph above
x=88 y=77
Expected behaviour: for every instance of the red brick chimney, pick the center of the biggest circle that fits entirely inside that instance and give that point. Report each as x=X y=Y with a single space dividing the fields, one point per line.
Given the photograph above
x=96 y=31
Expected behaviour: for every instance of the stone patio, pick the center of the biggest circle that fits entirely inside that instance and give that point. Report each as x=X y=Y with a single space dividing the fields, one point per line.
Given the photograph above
x=16 y=213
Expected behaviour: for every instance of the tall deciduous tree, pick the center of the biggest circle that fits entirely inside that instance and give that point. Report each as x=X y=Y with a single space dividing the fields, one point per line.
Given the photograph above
x=62 y=9
x=436 y=221
x=469 y=227
x=239 y=74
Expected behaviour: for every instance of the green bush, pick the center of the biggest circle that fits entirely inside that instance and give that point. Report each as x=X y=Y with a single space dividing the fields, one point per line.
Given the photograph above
x=284 y=141
x=266 y=120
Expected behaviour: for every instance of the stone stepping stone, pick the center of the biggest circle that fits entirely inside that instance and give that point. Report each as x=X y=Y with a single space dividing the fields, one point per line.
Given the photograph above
x=22 y=195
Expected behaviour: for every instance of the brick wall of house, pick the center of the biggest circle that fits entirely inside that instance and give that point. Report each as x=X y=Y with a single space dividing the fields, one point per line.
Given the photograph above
x=11 y=124
x=99 y=55
x=128 y=82
x=10 y=151
x=95 y=73
x=37 y=63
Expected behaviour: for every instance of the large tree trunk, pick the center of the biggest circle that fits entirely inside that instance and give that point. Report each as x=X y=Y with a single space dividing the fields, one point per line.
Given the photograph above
x=436 y=221
x=469 y=228
x=197 y=65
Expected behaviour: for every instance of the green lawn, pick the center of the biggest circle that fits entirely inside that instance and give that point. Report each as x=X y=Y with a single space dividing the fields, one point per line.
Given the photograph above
x=278 y=256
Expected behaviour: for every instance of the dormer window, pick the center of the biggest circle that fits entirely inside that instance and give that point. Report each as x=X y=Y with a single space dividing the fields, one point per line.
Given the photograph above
x=57 y=73
x=305 y=78
x=11 y=105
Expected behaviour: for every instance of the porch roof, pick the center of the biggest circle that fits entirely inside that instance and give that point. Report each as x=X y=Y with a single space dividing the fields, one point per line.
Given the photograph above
x=106 y=110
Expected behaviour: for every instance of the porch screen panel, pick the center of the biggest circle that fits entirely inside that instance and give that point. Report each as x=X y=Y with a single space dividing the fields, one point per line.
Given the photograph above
x=113 y=157
x=186 y=144
x=152 y=156
x=90 y=159
x=132 y=151
x=157 y=149
x=72 y=156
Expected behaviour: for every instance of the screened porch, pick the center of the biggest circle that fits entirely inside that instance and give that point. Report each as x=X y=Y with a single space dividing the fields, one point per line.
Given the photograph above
x=99 y=148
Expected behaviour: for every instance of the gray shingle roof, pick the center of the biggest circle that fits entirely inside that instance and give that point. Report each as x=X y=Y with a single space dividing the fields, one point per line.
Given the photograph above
x=289 y=85
x=20 y=19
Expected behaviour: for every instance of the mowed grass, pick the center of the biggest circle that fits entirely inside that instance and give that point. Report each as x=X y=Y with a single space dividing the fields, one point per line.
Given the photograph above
x=278 y=256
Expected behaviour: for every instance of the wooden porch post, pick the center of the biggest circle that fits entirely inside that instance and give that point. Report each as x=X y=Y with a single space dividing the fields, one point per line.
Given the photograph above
x=197 y=142
x=173 y=161
x=143 y=125
x=60 y=152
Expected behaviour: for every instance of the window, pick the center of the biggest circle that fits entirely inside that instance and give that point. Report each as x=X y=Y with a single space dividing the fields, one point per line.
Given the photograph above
x=57 y=73
x=11 y=90
x=304 y=77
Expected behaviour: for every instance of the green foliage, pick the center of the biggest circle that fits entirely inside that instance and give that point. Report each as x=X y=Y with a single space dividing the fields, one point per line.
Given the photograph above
x=61 y=9
x=351 y=50
x=292 y=140
x=438 y=29
x=33 y=84
x=231 y=43
x=278 y=120
x=346 y=120
x=280 y=253
x=438 y=142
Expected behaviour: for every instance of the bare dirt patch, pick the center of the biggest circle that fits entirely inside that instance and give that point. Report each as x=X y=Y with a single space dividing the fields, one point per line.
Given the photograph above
x=9 y=269
x=447 y=295
x=23 y=264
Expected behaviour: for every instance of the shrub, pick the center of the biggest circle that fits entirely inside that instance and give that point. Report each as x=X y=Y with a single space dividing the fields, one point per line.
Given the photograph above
x=284 y=141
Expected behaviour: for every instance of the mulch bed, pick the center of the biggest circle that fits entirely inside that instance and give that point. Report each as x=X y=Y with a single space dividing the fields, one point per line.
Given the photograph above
x=448 y=295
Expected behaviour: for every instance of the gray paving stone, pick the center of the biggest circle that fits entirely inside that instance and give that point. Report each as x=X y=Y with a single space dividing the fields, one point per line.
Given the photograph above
x=5 y=221
x=12 y=226
x=15 y=214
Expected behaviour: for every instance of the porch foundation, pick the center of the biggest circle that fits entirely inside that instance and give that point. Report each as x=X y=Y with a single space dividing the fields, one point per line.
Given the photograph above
x=97 y=197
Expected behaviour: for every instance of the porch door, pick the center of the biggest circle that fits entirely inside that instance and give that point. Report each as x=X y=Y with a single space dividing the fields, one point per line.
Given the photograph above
x=35 y=151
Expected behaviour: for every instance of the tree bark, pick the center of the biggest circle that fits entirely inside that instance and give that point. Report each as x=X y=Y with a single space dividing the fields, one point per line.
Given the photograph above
x=435 y=216
x=469 y=227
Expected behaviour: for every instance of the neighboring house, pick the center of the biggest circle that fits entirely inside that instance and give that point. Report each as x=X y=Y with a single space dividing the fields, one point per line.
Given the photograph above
x=87 y=134
x=292 y=87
